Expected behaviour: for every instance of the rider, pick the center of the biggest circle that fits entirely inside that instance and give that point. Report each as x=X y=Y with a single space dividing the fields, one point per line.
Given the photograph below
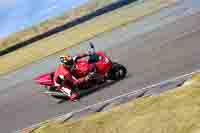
x=64 y=74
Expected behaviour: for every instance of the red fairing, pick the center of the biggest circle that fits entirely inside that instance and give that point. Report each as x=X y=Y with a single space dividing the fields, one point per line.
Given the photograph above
x=104 y=64
x=44 y=79
x=70 y=80
x=61 y=70
x=82 y=68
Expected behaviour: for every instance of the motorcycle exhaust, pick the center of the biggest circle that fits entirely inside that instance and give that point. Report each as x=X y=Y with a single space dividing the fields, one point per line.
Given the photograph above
x=54 y=93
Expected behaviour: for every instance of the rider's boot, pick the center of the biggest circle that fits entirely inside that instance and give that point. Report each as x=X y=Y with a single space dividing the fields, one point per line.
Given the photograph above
x=74 y=97
x=75 y=93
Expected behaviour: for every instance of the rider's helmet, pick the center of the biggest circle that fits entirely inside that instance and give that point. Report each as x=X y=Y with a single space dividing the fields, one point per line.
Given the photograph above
x=67 y=60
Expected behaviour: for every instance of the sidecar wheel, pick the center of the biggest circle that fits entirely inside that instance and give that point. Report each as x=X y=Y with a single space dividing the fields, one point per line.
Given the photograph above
x=117 y=72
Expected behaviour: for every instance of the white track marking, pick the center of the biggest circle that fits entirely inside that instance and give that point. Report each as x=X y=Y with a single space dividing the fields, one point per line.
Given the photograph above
x=139 y=90
x=120 y=96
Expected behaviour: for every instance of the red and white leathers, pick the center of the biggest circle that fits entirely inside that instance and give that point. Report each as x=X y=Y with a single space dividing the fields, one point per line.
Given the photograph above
x=65 y=73
x=69 y=81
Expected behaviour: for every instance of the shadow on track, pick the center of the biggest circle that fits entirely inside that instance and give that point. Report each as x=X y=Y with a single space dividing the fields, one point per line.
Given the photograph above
x=87 y=92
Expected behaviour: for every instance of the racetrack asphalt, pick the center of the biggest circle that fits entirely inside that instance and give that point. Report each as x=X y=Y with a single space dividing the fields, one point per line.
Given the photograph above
x=166 y=52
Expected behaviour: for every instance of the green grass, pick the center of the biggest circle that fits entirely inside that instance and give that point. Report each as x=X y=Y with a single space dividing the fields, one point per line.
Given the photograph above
x=176 y=111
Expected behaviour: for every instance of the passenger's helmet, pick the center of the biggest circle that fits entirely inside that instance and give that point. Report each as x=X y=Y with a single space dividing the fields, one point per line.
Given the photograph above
x=66 y=60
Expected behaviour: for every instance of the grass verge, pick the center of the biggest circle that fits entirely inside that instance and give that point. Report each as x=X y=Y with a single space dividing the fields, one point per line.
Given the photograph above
x=80 y=33
x=175 y=111
x=52 y=23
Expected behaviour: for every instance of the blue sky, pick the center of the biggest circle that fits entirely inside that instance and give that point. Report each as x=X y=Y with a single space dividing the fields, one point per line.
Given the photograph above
x=18 y=14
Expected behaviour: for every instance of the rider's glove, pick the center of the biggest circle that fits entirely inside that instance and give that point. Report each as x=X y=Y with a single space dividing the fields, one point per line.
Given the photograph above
x=90 y=76
x=75 y=58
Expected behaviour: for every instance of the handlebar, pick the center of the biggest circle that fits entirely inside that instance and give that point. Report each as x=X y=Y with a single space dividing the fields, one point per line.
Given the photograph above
x=92 y=47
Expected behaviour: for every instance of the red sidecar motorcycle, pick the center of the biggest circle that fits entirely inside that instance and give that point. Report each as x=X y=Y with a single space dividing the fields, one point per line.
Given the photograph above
x=105 y=69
